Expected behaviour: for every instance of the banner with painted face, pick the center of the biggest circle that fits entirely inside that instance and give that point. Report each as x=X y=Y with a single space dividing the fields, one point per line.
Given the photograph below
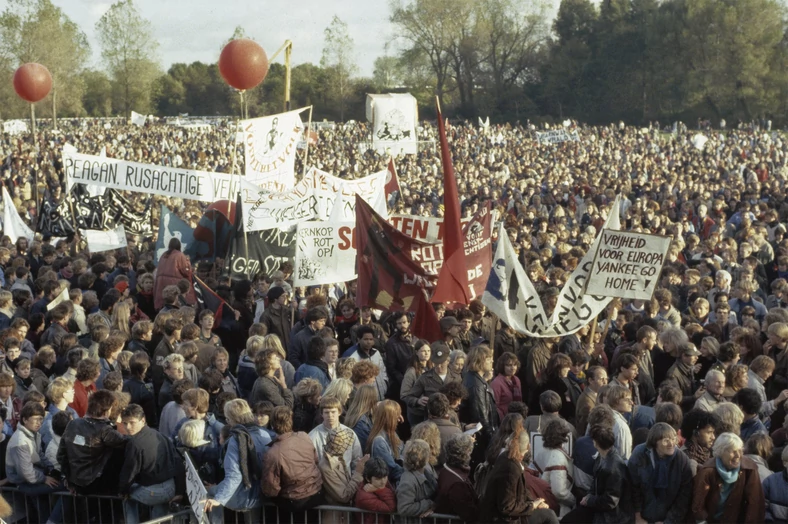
x=270 y=145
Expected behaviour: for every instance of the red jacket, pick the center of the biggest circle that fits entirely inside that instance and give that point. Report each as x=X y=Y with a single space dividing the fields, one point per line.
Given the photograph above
x=380 y=501
x=81 y=394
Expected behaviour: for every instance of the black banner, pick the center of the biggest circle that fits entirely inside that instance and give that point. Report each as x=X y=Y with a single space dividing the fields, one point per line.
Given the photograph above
x=268 y=250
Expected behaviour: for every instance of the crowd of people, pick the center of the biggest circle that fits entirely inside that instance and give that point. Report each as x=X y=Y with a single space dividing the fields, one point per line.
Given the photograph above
x=659 y=411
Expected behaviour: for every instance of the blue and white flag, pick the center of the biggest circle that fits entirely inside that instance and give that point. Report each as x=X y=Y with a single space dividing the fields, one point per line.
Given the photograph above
x=510 y=294
x=171 y=226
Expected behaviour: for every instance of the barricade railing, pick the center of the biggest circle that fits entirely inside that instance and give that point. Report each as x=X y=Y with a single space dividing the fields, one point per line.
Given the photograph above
x=270 y=513
x=101 y=509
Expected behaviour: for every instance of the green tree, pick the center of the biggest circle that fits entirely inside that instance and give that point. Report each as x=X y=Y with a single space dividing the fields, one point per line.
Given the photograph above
x=38 y=31
x=339 y=62
x=129 y=52
x=97 y=98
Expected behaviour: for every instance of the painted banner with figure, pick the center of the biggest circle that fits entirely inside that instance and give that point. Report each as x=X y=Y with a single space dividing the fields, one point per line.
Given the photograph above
x=172 y=226
x=394 y=118
x=269 y=149
x=314 y=198
x=324 y=255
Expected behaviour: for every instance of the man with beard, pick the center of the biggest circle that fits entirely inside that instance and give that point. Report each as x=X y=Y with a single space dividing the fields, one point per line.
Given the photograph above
x=399 y=351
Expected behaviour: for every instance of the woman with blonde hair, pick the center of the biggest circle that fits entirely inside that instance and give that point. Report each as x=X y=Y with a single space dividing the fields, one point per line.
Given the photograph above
x=340 y=389
x=273 y=342
x=121 y=319
x=359 y=413
x=429 y=433
x=736 y=378
x=383 y=441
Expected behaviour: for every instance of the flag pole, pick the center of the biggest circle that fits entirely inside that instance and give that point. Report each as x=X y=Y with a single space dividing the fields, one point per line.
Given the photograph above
x=308 y=131
x=233 y=141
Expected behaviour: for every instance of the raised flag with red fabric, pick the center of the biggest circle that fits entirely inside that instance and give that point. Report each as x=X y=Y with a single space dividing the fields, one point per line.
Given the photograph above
x=453 y=277
x=392 y=181
x=224 y=315
x=388 y=278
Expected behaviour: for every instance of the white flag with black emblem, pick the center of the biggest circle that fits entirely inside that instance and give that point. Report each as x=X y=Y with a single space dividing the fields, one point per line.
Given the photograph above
x=394 y=119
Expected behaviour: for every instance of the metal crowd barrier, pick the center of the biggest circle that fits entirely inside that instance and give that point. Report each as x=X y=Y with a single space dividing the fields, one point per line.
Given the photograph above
x=96 y=509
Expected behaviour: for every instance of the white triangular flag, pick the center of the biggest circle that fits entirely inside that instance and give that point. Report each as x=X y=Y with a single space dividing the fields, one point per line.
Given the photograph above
x=13 y=225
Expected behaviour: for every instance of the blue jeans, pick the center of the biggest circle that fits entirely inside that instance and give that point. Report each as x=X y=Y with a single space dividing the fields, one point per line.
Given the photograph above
x=39 y=490
x=157 y=497
x=240 y=501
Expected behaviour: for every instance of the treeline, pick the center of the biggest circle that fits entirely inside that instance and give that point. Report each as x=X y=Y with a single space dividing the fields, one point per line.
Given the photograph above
x=631 y=60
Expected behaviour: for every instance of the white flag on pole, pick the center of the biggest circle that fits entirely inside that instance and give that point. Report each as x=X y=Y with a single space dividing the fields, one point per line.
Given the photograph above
x=137 y=119
x=13 y=225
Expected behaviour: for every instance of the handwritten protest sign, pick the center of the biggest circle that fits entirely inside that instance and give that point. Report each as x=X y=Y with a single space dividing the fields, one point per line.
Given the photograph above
x=627 y=264
x=195 y=490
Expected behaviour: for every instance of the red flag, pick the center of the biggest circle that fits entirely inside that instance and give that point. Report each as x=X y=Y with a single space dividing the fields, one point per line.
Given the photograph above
x=426 y=325
x=453 y=277
x=392 y=181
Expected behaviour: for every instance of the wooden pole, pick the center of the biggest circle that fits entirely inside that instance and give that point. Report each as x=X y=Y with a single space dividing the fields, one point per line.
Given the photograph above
x=34 y=133
x=308 y=132
x=494 y=325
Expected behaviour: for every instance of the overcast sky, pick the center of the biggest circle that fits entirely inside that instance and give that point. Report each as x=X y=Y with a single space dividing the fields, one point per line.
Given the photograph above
x=192 y=30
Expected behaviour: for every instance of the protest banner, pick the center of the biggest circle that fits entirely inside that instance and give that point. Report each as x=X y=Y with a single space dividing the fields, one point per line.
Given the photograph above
x=557 y=136
x=15 y=127
x=322 y=255
x=195 y=490
x=122 y=175
x=399 y=250
x=99 y=241
x=268 y=250
x=13 y=225
x=270 y=148
x=393 y=117
x=313 y=198
x=426 y=229
x=627 y=264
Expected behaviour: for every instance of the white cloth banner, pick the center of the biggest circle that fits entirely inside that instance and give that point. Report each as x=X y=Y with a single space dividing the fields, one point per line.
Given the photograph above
x=270 y=148
x=314 y=198
x=699 y=141
x=13 y=225
x=324 y=253
x=61 y=297
x=394 y=124
x=575 y=308
x=137 y=119
x=189 y=184
x=99 y=241
x=556 y=137
x=15 y=127
x=196 y=491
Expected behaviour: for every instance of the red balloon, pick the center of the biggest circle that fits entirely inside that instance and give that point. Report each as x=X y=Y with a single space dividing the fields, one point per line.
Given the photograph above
x=221 y=206
x=243 y=64
x=32 y=82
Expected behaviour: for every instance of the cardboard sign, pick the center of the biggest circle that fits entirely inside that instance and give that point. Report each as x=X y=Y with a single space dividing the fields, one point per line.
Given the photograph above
x=627 y=264
x=196 y=491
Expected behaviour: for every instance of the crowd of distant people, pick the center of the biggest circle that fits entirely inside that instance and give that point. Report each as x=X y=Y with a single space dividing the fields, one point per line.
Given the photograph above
x=663 y=410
